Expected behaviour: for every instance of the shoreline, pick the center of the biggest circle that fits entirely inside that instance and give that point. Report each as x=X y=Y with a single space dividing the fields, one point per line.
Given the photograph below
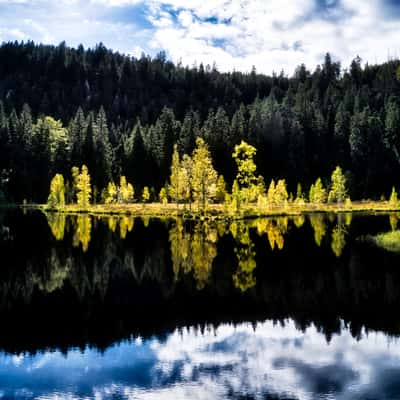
x=214 y=211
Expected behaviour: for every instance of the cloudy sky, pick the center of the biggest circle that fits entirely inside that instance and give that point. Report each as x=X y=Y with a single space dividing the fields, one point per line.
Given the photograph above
x=235 y=34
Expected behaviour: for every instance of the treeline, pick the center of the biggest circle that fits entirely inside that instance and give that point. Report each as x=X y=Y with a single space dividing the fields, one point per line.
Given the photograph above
x=121 y=116
x=194 y=180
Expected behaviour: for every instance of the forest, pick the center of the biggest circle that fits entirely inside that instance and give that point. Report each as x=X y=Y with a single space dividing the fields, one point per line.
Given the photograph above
x=123 y=116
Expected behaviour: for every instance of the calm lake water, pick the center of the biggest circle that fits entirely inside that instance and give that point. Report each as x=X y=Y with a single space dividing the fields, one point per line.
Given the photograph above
x=123 y=308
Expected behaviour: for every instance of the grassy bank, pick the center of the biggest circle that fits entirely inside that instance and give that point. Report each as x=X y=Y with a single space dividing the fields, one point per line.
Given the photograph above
x=216 y=210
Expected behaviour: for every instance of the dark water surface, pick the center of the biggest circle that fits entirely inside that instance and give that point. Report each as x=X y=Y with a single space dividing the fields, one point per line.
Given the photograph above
x=123 y=308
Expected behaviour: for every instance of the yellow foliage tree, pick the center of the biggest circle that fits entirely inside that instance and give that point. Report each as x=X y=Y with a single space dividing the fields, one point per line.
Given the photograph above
x=57 y=192
x=281 y=194
x=271 y=194
x=145 y=195
x=163 y=197
x=244 y=155
x=394 y=200
x=338 y=190
x=83 y=189
x=177 y=178
x=204 y=176
x=111 y=193
x=317 y=194
x=126 y=191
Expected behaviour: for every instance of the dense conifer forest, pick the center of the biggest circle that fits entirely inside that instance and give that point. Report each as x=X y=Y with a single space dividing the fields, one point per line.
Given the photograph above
x=121 y=116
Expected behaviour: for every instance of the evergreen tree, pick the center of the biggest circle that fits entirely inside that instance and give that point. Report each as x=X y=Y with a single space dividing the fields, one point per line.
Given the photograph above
x=391 y=137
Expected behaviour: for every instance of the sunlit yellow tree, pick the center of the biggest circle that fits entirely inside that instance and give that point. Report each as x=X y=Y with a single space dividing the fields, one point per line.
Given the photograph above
x=271 y=194
x=281 y=194
x=177 y=178
x=299 y=200
x=394 y=200
x=126 y=191
x=57 y=192
x=338 y=190
x=317 y=194
x=145 y=195
x=163 y=196
x=55 y=132
x=82 y=185
x=204 y=176
x=243 y=155
x=111 y=193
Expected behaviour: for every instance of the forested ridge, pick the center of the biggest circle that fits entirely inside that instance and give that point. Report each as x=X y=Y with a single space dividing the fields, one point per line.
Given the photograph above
x=121 y=116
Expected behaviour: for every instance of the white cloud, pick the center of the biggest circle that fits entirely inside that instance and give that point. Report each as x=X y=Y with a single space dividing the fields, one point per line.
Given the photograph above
x=115 y=3
x=259 y=33
x=236 y=34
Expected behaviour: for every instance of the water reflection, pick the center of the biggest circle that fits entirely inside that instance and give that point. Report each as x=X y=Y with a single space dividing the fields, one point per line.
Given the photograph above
x=243 y=361
x=192 y=246
x=90 y=283
x=193 y=250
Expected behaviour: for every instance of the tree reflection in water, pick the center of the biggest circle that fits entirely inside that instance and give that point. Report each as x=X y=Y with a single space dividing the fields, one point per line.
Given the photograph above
x=123 y=270
x=194 y=246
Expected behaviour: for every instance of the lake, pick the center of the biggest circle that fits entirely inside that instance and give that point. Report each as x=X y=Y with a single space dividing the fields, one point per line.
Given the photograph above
x=130 y=308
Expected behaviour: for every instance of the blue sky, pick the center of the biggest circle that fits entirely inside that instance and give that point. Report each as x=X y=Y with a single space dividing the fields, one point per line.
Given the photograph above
x=235 y=34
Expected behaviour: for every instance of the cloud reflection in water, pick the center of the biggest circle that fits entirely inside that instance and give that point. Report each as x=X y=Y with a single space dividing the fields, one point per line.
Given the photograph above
x=280 y=361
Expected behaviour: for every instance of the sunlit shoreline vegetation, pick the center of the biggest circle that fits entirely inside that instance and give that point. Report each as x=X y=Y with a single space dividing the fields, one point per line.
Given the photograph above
x=215 y=211
x=195 y=189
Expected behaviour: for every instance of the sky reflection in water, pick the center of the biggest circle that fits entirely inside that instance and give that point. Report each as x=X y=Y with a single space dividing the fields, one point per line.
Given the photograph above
x=227 y=362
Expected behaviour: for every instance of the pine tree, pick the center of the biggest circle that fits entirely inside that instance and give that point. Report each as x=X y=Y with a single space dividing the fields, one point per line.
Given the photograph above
x=392 y=128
